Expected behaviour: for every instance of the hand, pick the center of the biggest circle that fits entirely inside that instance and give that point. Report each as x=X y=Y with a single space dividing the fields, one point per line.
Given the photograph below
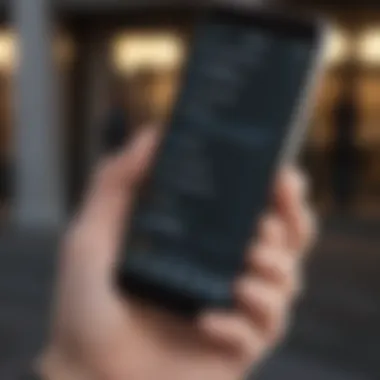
x=99 y=334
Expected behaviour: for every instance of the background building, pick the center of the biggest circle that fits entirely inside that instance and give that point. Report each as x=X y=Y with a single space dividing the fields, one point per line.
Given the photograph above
x=56 y=96
x=52 y=111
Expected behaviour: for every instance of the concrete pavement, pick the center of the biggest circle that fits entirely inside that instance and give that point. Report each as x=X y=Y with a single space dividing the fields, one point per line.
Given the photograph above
x=336 y=334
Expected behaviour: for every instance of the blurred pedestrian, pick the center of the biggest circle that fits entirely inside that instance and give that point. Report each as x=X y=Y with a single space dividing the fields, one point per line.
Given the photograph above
x=118 y=126
x=5 y=151
x=4 y=183
x=345 y=156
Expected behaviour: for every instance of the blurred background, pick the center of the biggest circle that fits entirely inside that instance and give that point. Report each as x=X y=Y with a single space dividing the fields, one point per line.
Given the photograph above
x=70 y=69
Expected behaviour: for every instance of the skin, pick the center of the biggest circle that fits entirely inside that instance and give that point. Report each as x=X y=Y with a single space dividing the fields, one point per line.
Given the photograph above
x=99 y=334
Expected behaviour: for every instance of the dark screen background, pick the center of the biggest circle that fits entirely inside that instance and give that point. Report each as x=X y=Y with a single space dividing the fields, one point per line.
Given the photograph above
x=214 y=171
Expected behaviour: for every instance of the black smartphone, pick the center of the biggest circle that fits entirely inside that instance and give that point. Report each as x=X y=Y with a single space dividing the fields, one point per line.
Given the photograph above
x=240 y=113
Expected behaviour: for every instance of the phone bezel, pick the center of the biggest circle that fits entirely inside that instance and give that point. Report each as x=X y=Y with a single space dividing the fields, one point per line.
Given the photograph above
x=315 y=30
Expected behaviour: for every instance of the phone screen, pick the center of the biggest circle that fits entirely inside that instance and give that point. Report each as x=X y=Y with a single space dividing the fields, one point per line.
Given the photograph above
x=212 y=178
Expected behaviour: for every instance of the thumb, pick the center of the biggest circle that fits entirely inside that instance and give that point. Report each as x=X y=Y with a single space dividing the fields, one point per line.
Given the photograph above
x=97 y=232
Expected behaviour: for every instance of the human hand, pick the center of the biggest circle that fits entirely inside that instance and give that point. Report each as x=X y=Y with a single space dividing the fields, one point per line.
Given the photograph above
x=99 y=334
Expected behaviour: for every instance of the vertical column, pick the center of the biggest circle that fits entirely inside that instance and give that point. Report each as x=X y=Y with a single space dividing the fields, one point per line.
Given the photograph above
x=39 y=195
x=90 y=79
x=99 y=76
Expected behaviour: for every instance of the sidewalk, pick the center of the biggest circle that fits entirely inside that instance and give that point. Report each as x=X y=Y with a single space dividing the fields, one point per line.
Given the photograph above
x=290 y=366
x=336 y=335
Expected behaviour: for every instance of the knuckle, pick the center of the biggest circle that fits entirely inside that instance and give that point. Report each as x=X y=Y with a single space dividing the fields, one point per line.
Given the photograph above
x=273 y=230
x=303 y=231
x=309 y=230
x=293 y=285
x=277 y=331
x=278 y=335
x=252 y=352
x=268 y=312
x=285 y=272
x=280 y=274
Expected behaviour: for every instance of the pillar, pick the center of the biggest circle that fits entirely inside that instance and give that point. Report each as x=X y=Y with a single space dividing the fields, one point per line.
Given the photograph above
x=39 y=191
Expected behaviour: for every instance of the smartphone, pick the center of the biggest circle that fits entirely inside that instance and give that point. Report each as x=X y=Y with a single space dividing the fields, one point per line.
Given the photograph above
x=240 y=113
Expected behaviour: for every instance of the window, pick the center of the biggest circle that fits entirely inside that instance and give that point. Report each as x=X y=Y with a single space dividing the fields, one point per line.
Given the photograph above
x=149 y=62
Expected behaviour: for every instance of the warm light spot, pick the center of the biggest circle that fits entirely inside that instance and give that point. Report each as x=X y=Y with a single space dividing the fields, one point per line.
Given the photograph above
x=8 y=51
x=337 y=47
x=9 y=54
x=132 y=52
x=369 y=46
x=64 y=49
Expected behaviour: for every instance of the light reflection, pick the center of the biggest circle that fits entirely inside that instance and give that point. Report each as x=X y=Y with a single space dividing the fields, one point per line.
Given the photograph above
x=337 y=47
x=133 y=52
x=369 y=47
